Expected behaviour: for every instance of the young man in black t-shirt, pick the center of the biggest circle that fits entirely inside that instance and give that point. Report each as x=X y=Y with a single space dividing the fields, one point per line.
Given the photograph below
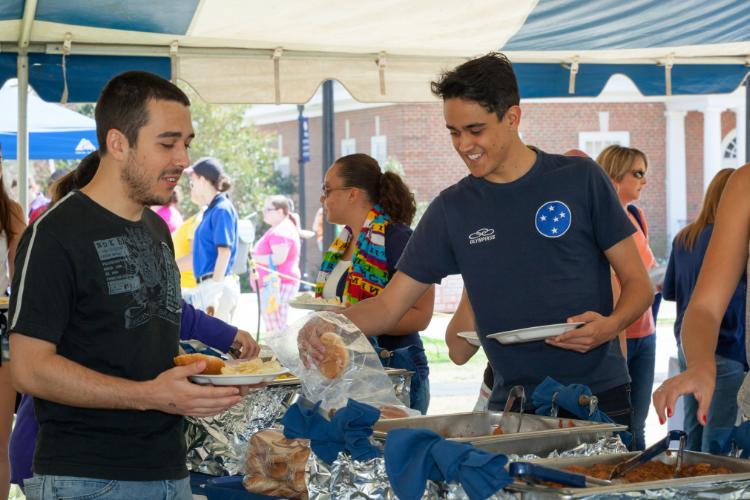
x=95 y=313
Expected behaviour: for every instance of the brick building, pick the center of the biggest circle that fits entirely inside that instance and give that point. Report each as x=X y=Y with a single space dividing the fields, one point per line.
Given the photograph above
x=671 y=131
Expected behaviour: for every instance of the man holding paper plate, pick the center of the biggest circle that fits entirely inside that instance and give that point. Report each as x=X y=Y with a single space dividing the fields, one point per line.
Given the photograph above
x=534 y=236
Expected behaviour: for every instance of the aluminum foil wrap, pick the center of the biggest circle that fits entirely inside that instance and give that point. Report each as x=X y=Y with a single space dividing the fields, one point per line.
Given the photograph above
x=605 y=446
x=347 y=479
x=217 y=445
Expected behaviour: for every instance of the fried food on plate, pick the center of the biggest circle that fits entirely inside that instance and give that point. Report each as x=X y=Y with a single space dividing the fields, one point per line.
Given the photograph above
x=213 y=364
x=255 y=366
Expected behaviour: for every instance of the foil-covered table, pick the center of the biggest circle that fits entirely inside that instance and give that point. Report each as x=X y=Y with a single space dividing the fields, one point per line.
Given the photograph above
x=217 y=445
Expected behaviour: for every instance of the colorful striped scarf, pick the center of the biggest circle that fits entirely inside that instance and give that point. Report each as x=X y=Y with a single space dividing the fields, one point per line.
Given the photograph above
x=368 y=272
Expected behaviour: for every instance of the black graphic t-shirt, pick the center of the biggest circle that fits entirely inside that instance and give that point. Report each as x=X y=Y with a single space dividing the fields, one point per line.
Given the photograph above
x=106 y=291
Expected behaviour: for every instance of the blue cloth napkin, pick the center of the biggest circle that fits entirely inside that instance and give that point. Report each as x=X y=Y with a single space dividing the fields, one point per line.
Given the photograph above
x=412 y=456
x=721 y=439
x=567 y=398
x=349 y=430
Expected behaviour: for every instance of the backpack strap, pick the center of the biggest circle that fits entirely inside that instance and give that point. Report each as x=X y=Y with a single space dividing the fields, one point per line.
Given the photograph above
x=639 y=218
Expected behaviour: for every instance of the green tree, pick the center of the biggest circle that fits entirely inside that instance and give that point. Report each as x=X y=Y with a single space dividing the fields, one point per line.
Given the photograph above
x=222 y=132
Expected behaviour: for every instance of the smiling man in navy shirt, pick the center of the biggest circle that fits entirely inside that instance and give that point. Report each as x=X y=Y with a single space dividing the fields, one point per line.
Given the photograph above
x=533 y=236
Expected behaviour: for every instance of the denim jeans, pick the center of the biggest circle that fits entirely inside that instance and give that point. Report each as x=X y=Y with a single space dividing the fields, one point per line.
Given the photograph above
x=641 y=359
x=71 y=488
x=723 y=410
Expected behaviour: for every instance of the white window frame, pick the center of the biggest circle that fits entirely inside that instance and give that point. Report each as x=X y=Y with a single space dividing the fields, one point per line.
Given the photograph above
x=379 y=148
x=282 y=165
x=592 y=143
x=348 y=146
x=730 y=140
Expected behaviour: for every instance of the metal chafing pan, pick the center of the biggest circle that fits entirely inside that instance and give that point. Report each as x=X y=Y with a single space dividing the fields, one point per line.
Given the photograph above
x=400 y=378
x=397 y=375
x=740 y=468
x=538 y=435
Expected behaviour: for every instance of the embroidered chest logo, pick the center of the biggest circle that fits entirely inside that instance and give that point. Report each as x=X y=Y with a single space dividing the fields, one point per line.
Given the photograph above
x=553 y=219
x=481 y=235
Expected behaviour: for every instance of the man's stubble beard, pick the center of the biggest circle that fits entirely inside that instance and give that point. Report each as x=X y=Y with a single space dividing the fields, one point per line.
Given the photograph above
x=138 y=184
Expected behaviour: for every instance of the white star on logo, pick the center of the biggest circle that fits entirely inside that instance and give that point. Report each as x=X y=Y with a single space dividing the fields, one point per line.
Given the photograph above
x=556 y=219
x=543 y=218
x=554 y=230
x=562 y=215
x=551 y=208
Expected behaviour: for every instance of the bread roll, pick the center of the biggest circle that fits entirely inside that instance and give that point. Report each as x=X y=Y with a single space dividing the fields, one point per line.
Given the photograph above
x=213 y=364
x=388 y=411
x=336 y=357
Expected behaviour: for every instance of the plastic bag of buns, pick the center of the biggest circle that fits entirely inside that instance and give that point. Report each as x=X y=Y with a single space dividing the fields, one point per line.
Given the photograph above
x=275 y=465
x=350 y=368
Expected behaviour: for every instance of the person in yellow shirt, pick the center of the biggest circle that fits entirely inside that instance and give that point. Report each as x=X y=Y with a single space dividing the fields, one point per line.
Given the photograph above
x=182 y=239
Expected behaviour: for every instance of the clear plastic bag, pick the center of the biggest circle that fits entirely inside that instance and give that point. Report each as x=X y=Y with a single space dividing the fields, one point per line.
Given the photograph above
x=362 y=379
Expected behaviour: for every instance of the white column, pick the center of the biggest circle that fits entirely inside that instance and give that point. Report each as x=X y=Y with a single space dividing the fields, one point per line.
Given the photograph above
x=712 y=153
x=676 y=185
x=740 y=114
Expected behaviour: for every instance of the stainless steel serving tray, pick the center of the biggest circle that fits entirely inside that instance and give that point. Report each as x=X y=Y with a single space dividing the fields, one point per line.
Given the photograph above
x=391 y=372
x=538 y=435
x=740 y=467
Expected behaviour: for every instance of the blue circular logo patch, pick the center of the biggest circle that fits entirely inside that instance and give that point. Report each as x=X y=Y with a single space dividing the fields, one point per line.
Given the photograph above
x=553 y=219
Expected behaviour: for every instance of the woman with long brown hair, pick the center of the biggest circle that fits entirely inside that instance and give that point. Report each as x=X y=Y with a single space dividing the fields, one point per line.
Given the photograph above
x=688 y=250
x=376 y=209
x=12 y=224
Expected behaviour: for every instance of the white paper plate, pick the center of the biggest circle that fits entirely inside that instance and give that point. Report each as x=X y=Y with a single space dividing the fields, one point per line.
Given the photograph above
x=533 y=333
x=470 y=337
x=236 y=379
x=316 y=306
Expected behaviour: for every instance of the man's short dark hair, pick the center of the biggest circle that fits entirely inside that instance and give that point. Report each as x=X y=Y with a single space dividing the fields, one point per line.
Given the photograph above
x=488 y=80
x=122 y=104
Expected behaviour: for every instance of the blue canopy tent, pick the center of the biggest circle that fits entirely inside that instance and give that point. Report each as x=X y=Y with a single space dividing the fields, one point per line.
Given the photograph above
x=55 y=132
x=233 y=51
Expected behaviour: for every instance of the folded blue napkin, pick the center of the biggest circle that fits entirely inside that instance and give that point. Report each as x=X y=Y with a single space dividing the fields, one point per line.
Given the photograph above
x=567 y=399
x=412 y=456
x=349 y=430
x=721 y=439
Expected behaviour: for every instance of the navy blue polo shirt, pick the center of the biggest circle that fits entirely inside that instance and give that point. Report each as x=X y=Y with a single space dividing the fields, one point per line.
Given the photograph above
x=531 y=253
x=679 y=283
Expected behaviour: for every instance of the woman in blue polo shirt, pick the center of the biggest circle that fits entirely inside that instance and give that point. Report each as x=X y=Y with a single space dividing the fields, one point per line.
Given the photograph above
x=215 y=240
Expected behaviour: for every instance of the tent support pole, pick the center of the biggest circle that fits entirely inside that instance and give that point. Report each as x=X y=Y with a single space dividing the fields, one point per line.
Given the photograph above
x=22 y=144
x=22 y=148
x=329 y=148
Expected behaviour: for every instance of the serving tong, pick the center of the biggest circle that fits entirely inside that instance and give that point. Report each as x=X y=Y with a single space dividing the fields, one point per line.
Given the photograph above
x=583 y=400
x=534 y=473
x=517 y=391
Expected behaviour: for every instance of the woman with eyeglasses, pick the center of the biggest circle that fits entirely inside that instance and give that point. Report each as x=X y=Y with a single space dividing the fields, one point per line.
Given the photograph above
x=277 y=254
x=627 y=168
x=12 y=224
x=376 y=209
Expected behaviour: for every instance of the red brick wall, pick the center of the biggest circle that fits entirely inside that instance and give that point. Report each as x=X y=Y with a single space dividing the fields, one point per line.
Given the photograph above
x=418 y=140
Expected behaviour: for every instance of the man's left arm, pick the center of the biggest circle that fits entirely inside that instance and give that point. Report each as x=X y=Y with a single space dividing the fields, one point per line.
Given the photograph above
x=636 y=296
